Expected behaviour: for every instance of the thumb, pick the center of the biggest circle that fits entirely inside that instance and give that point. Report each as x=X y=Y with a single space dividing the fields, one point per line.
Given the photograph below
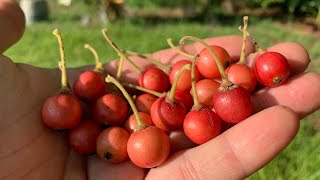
x=12 y=23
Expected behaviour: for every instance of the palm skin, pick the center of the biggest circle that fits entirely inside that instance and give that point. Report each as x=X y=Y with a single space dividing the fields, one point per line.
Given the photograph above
x=29 y=150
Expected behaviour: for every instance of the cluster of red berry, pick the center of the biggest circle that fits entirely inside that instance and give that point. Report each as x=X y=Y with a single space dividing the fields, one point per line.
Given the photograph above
x=195 y=96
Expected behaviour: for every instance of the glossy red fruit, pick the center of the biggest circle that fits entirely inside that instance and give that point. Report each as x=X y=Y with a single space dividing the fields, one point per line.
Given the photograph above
x=144 y=102
x=271 y=69
x=206 y=63
x=131 y=124
x=154 y=79
x=184 y=97
x=89 y=85
x=149 y=147
x=61 y=111
x=110 y=109
x=202 y=125
x=206 y=88
x=82 y=138
x=242 y=75
x=112 y=145
x=166 y=115
x=234 y=104
x=184 y=82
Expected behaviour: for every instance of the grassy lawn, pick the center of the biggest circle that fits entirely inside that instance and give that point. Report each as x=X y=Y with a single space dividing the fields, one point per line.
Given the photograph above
x=300 y=160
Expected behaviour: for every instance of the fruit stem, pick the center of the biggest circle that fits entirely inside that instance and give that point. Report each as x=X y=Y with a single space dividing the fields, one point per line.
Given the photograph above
x=196 y=103
x=153 y=61
x=243 y=49
x=120 y=52
x=256 y=45
x=99 y=65
x=155 y=93
x=225 y=81
x=170 y=97
x=140 y=123
x=119 y=71
x=169 y=41
x=62 y=63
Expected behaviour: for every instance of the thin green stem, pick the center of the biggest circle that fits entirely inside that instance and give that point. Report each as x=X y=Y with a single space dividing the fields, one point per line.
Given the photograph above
x=120 y=52
x=153 y=61
x=99 y=65
x=62 y=62
x=225 y=80
x=140 y=123
x=120 y=67
x=175 y=82
x=177 y=49
x=256 y=45
x=243 y=49
x=155 y=93
x=196 y=102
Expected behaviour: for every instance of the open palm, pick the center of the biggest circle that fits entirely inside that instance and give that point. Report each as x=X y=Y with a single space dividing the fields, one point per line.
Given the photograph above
x=29 y=150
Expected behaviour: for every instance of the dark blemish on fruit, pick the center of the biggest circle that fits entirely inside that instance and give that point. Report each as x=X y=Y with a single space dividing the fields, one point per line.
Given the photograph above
x=107 y=155
x=226 y=64
x=277 y=80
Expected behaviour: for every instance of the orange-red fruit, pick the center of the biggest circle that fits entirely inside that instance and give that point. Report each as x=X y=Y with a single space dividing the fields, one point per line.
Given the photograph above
x=110 y=109
x=154 y=79
x=112 y=145
x=149 y=147
x=272 y=69
x=207 y=65
x=167 y=116
x=89 y=85
x=131 y=124
x=242 y=75
x=206 y=88
x=184 y=82
x=144 y=102
x=61 y=111
x=82 y=138
x=202 y=125
x=184 y=97
x=234 y=104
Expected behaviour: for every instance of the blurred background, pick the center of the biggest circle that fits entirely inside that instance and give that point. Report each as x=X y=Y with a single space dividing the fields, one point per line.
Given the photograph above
x=143 y=26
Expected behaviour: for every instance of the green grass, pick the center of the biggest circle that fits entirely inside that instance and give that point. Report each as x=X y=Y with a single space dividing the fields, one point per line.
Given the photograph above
x=300 y=160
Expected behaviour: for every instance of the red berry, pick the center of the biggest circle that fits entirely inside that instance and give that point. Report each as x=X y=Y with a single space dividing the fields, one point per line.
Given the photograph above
x=110 y=109
x=206 y=88
x=83 y=137
x=61 y=111
x=242 y=75
x=144 y=102
x=166 y=115
x=131 y=124
x=89 y=85
x=112 y=145
x=184 y=97
x=206 y=63
x=272 y=69
x=233 y=104
x=202 y=125
x=184 y=82
x=149 y=147
x=154 y=79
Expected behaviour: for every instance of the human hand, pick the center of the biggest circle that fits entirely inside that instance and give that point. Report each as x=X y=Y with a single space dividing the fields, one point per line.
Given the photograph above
x=29 y=150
